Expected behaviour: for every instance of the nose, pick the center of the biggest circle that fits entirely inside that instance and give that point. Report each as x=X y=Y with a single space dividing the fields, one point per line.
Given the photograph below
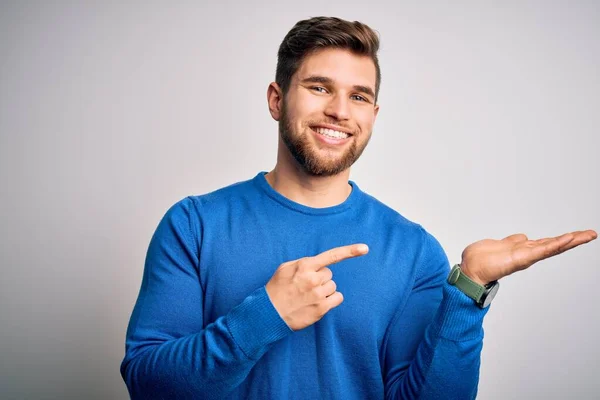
x=338 y=108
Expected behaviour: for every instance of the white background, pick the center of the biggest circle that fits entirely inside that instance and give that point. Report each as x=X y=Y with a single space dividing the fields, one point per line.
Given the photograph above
x=111 y=113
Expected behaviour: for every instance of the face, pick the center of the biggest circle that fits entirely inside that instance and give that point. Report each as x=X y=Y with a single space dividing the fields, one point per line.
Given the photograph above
x=327 y=116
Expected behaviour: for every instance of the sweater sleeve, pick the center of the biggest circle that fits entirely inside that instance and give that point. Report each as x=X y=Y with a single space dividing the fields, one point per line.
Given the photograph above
x=434 y=344
x=171 y=352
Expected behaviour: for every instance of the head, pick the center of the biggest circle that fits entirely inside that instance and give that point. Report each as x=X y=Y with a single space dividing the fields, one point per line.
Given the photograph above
x=325 y=93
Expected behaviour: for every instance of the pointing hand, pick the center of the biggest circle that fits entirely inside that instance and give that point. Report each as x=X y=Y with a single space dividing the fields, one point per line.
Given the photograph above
x=302 y=291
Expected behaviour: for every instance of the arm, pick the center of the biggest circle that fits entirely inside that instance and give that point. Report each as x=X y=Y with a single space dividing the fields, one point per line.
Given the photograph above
x=170 y=350
x=434 y=351
x=434 y=344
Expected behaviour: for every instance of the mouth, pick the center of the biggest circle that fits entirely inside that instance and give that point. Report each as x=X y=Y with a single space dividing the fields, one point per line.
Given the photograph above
x=331 y=133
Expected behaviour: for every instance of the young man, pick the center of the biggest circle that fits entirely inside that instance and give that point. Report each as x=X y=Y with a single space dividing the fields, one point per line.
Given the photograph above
x=242 y=289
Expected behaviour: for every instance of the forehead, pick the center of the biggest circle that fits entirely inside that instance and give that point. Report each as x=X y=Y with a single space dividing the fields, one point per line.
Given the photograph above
x=340 y=65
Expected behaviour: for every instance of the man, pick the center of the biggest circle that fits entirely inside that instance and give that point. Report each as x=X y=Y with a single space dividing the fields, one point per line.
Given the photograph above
x=242 y=289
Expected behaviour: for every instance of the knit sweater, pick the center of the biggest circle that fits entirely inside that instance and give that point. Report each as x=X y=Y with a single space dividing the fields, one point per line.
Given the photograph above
x=203 y=326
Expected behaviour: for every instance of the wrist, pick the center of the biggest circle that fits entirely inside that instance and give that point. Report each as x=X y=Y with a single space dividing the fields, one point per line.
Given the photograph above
x=482 y=294
x=473 y=275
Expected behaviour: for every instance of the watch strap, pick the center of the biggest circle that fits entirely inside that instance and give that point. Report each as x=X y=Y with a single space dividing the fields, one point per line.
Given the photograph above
x=465 y=284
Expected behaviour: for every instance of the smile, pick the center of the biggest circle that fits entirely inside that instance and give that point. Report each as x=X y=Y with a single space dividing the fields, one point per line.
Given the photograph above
x=331 y=133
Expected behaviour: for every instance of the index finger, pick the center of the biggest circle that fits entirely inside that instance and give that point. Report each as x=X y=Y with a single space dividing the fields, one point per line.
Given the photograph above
x=336 y=255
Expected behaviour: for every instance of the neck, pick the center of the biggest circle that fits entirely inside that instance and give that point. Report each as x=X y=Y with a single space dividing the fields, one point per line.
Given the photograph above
x=291 y=181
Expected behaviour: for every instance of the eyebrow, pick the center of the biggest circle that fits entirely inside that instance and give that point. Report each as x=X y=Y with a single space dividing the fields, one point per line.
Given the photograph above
x=329 y=81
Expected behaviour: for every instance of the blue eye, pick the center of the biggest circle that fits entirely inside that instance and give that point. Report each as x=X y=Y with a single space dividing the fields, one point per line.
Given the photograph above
x=319 y=89
x=359 y=98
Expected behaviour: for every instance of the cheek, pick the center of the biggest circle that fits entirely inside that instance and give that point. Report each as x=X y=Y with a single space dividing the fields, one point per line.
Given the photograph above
x=309 y=106
x=365 y=121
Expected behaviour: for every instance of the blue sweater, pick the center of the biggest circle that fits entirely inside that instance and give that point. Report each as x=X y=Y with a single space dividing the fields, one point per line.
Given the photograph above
x=203 y=326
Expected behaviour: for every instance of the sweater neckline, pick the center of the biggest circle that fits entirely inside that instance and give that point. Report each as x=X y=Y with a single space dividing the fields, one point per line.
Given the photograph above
x=261 y=181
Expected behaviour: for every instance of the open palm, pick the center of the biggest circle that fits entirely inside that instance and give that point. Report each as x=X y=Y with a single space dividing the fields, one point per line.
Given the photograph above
x=489 y=260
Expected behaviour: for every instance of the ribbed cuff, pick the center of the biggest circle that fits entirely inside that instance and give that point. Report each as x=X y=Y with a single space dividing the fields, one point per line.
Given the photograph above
x=255 y=323
x=459 y=318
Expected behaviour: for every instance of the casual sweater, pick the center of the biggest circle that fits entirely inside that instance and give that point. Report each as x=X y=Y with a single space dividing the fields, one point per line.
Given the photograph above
x=203 y=326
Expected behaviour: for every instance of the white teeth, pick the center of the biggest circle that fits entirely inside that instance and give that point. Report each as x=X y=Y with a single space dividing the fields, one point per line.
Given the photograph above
x=331 y=133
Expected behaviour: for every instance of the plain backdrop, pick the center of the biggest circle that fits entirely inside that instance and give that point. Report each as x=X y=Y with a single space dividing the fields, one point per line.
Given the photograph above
x=110 y=113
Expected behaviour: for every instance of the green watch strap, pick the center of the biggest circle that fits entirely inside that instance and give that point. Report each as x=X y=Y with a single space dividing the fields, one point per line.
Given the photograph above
x=465 y=284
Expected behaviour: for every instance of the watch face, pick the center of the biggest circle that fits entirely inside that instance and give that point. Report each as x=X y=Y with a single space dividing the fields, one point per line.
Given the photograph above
x=490 y=294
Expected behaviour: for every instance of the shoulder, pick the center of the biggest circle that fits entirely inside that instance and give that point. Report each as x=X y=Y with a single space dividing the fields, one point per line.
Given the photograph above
x=189 y=215
x=195 y=206
x=427 y=248
x=224 y=194
x=389 y=217
x=192 y=207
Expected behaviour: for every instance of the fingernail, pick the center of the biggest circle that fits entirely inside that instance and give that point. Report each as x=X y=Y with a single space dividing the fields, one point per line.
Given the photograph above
x=363 y=248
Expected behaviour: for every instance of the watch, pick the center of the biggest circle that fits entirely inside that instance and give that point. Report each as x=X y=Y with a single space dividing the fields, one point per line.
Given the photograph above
x=483 y=295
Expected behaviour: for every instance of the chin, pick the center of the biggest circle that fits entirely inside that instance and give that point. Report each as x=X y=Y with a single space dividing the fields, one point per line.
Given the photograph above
x=318 y=167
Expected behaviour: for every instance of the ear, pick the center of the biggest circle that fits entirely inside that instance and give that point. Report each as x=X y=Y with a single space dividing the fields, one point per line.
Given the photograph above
x=376 y=111
x=275 y=100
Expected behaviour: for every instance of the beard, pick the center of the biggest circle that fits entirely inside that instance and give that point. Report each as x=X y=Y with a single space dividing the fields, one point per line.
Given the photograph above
x=313 y=161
